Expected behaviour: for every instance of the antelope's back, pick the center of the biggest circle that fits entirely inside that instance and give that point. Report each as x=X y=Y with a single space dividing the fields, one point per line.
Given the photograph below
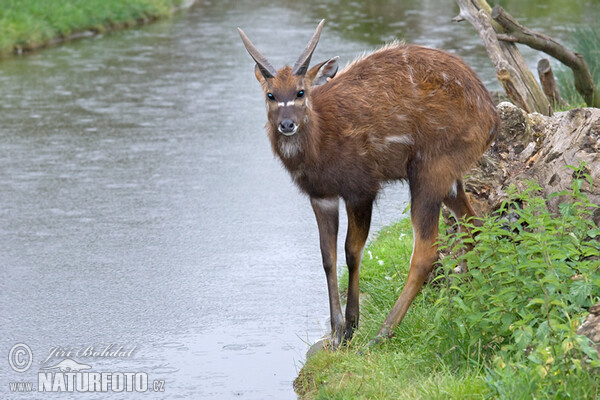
x=428 y=97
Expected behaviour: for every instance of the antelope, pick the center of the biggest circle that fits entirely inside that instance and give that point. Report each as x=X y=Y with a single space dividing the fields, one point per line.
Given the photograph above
x=403 y=112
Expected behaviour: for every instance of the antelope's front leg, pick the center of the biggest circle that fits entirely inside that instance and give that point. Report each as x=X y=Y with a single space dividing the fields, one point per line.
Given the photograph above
x=359 y=222
x=327 y=213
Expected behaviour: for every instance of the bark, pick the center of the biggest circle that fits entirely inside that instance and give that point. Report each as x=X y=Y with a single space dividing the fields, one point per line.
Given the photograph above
x=591 y=326
x=511 y=69
x=515 y=32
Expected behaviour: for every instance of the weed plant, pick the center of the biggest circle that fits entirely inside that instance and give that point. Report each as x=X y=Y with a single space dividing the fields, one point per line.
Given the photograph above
x=534 y=275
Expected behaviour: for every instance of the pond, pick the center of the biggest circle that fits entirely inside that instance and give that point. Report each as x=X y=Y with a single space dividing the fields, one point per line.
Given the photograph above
x=142 y=208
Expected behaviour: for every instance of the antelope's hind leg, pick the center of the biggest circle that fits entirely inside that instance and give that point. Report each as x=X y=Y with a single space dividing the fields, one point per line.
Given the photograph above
x=425 y=212
x=458 y=203
x=426 y=202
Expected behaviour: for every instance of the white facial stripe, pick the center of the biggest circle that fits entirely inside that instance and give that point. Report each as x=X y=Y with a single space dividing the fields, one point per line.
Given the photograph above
x=288 y=104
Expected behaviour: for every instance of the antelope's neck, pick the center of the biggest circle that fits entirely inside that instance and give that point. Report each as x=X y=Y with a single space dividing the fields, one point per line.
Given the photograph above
x=296 y=151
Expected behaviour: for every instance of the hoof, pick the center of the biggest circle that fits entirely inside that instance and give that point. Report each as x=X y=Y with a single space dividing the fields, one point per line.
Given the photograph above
x=328 y=342
x=384 y=333
x=376 y=340
x=318 y=346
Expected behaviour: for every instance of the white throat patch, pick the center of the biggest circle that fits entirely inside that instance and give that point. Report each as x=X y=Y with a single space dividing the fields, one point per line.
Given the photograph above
x=288 y=148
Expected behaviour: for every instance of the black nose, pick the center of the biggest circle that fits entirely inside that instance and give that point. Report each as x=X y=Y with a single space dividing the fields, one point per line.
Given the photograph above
x=287 y=126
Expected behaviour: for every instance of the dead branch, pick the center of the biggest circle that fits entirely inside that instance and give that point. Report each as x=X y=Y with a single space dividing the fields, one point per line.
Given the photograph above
x=515 y=32
x=511 y=69
x=549 y=83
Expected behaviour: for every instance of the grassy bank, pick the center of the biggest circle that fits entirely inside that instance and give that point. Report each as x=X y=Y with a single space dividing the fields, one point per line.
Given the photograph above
x=506 y=329
x=30 y=24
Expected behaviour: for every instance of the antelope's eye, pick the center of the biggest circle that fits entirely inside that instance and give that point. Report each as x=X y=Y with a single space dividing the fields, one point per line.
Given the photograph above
x=300 y=94
x=270 y=96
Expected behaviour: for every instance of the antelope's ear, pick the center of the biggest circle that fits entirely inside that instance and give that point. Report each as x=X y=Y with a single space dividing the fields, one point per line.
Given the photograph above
x=259 y=75
x=320 y=73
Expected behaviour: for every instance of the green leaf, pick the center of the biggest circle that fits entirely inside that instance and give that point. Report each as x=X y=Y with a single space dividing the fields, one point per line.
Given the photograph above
x=535 y=301
x=522 y=337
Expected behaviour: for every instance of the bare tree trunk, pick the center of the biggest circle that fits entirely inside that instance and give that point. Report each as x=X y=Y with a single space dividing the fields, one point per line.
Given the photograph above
x=549 y=83
x=515 y=32
x=538 y=148
x=511 y=69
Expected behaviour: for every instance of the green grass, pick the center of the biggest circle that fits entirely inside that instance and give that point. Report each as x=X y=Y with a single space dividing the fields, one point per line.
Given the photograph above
x=503 y=330
x=585 y=41
x=29 y=24
x=405 y=367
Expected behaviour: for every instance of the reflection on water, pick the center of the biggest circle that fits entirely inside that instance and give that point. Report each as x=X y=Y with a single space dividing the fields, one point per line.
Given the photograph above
x=141 y=206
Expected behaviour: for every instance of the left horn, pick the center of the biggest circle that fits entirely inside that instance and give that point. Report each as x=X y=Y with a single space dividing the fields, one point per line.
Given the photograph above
x=263 y=64
x=301 y=65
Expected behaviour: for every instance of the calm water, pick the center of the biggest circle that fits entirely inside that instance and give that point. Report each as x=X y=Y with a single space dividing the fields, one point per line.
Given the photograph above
x=140 y=204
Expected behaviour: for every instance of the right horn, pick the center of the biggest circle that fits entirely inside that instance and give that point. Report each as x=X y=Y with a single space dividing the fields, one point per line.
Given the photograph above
x=301 y=65
x=263 y=64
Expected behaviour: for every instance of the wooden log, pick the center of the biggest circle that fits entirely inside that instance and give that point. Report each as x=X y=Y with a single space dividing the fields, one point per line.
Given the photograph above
x=538 y=148
x=549 y=83
x=511 y=69
x=515 y=32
